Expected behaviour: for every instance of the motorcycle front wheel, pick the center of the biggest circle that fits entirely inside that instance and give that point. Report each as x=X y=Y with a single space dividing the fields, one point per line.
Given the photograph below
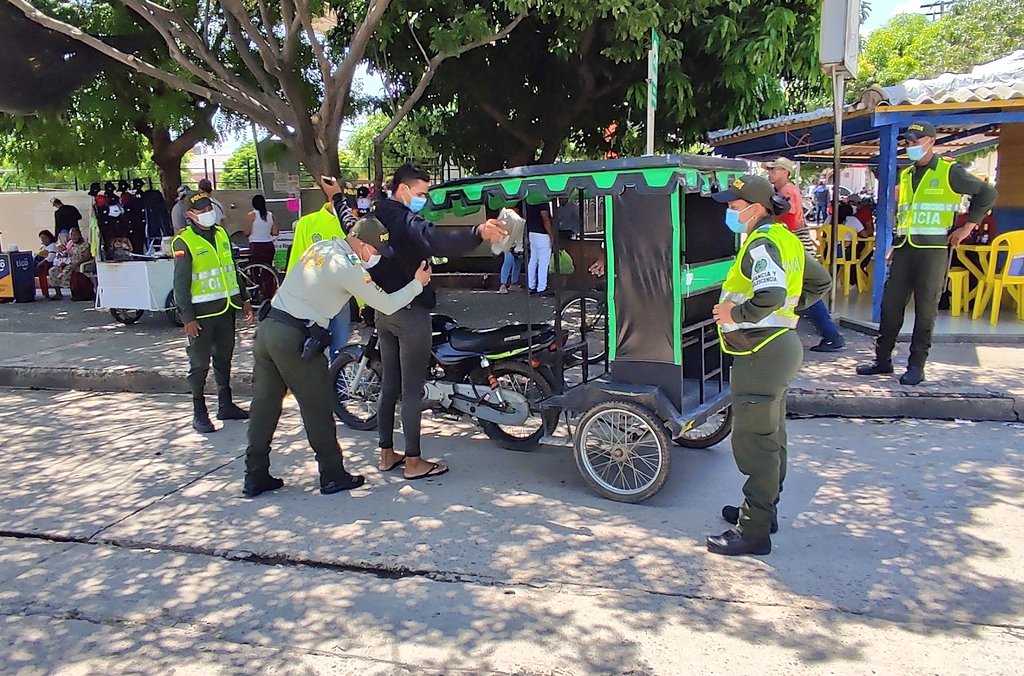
x=532 y=385
x=356 y=396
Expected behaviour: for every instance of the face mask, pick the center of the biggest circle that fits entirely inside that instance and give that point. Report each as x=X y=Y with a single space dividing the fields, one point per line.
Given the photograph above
x=733 y=222
x=417 y=203
x=207 y=219
x=915 y=153
x=374 y=259
x=363 y=203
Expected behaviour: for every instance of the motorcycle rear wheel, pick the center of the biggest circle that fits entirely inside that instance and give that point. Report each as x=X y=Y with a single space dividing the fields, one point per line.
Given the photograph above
x=528 y=382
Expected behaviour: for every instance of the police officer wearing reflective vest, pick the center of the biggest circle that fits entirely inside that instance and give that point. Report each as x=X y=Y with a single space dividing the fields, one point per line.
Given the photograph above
x=207 y=293
x=929 y=200
x=290 y=342
x=773 y=276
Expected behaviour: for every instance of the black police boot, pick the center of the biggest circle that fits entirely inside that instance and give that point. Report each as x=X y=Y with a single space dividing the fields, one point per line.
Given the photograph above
x=226 y=409
x=734 y=543
x=201 y=417
x=731 y=515
x=913 y=376
x=875 y=368
x=345 y=482
x=254 y=485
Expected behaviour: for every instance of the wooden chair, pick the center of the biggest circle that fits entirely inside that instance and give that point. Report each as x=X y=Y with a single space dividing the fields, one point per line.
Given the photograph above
x=1010 y=275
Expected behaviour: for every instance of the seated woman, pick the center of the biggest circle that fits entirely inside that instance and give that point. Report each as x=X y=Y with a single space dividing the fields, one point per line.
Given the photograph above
x=44 y=261
x=68 y=261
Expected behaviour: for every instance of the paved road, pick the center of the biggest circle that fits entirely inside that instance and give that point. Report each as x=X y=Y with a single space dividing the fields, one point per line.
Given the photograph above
x=124 y=546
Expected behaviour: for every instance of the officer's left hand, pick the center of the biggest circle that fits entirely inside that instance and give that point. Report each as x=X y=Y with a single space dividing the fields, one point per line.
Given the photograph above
x=722 y=312
x=250 y=316
x=491 y=230
x=961 y=233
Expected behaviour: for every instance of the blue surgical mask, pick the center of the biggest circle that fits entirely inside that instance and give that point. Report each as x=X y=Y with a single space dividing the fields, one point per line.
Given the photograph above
x=733 y=222
x=417 y=203
x=915 y=153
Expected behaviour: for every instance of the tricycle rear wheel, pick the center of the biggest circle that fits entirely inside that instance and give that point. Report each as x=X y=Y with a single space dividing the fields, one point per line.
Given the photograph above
x=622 y=451
x=714 y=430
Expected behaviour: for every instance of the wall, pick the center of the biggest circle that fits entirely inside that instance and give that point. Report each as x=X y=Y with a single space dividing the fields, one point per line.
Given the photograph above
x=1009 y=211
x=24 y=214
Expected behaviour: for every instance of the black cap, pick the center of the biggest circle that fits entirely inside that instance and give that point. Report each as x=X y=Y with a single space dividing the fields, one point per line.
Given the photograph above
x=198 y=201
x=748 y=188
x=371 y=231
x=918 y=130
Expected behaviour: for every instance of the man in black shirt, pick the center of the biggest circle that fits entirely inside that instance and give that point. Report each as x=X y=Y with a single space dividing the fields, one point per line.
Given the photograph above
x=405 y=335
x=66 y=216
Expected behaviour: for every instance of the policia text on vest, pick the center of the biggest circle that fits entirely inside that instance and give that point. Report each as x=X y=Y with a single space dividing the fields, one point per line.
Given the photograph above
x=207 y=293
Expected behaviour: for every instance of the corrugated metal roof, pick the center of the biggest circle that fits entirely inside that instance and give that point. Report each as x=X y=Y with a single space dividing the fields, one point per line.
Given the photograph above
x=1000 y=80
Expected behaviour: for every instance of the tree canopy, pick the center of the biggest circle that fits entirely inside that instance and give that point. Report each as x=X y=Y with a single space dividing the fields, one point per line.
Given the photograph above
x=911 y=46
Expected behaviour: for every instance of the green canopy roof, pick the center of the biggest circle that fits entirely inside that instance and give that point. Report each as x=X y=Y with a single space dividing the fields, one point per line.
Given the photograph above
x=541 y=183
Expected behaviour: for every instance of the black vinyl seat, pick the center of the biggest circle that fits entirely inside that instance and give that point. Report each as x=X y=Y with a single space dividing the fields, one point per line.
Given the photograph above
x=502 y=339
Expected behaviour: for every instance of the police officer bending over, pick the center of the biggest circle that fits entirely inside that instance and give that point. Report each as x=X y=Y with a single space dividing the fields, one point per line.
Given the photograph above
x=290 y=342
x=207 y=293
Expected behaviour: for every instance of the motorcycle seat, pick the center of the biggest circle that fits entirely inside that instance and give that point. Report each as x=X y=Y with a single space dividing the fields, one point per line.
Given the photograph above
x=499 y=340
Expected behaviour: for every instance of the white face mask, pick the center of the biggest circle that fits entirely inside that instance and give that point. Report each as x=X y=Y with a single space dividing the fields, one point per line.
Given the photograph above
x=363 y=203
x=207 y=219
x=374 y=259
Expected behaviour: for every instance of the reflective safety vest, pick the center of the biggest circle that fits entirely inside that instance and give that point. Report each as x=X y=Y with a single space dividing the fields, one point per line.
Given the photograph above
x=214 y=277
x=738 y=288
x=313 y=228
x=924 y=216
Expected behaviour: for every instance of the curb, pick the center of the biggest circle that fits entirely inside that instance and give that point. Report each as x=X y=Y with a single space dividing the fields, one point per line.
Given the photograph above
x=929 y=406
x=979 y=407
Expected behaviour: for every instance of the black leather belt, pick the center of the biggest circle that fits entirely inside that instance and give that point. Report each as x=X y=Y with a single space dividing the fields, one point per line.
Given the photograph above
x=285 y=318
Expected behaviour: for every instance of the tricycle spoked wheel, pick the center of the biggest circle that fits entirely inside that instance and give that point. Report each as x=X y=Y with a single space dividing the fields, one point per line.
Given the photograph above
x=528 y=382
x=622 y=450
x=172 y=310
x=713 y=431
x=592 y=309
x=127 y=317
x=356 y=395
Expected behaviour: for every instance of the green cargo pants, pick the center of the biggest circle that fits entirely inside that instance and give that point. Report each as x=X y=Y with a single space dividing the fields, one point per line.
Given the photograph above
x=923 y=273
x=217 y=339
x=759 y=382
x=279 y=367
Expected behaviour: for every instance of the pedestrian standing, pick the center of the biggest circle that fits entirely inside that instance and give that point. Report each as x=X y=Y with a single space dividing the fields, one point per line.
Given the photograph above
x=770 y=279
x=261 y=229
x=290 y=342
x=208 y=294
x=65 y=216
x=822 y=197
x=927 y=204
x=541 y=236
x=780 y=174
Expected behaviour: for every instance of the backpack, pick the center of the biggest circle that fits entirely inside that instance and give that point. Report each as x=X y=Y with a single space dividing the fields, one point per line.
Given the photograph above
x=81 y=287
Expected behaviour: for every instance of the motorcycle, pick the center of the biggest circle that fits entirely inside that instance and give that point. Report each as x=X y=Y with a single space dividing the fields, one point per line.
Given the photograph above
x=495 y=376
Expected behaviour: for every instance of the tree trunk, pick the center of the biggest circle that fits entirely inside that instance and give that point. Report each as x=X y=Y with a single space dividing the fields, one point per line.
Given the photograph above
x=378 y=166
x=169 y=167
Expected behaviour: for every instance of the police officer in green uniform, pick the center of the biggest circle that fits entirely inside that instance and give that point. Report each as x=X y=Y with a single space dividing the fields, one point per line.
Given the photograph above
x=929 y=199
x=290 y=342
x=773 y=276
x=207 y=293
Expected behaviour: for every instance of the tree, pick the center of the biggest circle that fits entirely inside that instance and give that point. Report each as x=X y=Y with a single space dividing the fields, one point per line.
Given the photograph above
x=406 y=143
x=278 y=70
x=573 y=67
x=118 y=120
x=240 y=170
x=911 y=46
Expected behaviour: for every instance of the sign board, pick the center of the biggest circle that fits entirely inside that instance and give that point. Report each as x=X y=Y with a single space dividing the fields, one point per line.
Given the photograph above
x=286 y=183
x=652 y=69
x=6 y=277
x=839 y=36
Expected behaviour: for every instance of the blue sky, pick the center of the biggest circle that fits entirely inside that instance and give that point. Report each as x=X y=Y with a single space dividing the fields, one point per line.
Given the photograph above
x=883 y=10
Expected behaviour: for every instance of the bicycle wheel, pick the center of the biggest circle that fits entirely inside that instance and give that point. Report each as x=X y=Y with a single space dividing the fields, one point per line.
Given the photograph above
x=591 y=308
x=261 y=281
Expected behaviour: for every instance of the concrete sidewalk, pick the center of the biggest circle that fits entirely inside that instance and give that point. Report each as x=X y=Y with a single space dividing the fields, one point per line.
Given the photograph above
x=65 y=345
x=126 y=548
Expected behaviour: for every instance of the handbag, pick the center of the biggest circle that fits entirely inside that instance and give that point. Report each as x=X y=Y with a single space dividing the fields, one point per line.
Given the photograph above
x=565 y=264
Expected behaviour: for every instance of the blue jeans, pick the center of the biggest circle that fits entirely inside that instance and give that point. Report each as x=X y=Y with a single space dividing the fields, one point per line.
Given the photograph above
x=821 y=213
x=822 y=320
x=341 y=327
x=510 y=269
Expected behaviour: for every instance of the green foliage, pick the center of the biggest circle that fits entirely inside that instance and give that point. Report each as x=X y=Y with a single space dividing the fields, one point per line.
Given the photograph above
x=405 y=143
x=911 y=46
x=240 y=168
x=573 y=67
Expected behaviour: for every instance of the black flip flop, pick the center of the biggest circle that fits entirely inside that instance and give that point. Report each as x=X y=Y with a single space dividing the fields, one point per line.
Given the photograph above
x=396 y=465
x=429 y=473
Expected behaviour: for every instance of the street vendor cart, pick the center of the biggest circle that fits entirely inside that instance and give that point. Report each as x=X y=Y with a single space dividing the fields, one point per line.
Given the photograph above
x=667 y=253
x=130 y=288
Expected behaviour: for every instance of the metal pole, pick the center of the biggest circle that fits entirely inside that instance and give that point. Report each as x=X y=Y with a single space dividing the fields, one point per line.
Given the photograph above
x=651 y=84
x=838 y=86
